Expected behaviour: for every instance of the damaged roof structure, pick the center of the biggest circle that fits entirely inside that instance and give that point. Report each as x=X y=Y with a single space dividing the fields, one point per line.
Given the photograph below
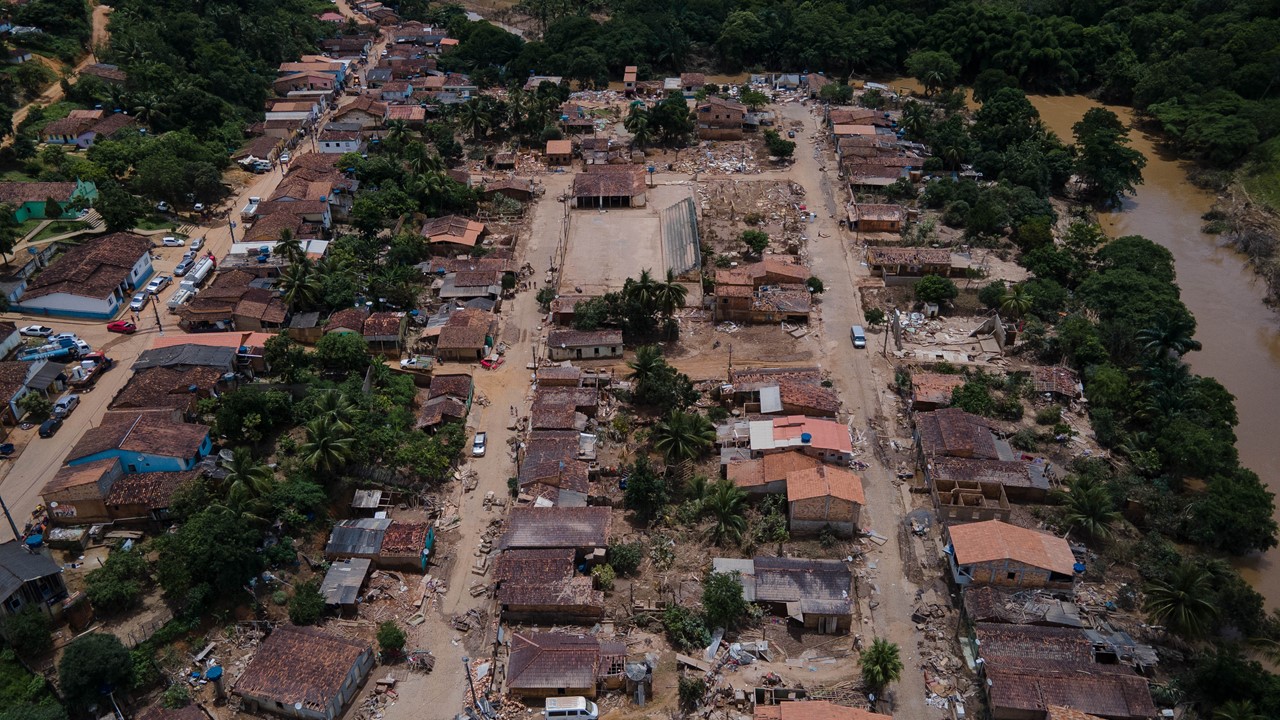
x=278 y=680
x=541 y=584
x=552 y=664
x=818 y=593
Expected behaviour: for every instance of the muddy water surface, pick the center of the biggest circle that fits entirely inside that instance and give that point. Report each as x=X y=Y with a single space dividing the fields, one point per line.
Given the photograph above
x=1241 y=336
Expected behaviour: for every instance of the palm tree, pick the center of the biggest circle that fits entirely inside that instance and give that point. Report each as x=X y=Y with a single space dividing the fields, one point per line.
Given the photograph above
x=1171 y=336
x=646 y=365
x=290 y=247
x=1184 y=601
x=881 y=664
x=1090 y=508
x=327 y=448
x=637 y=123
x=335 y=407
x=642 y=290
x=148 y=109
x=1237 y=710
x=473 y=119
x=299 y=286
x=246 y=480
x=397 y=131
x=915 y=119
x=683 y=436
x=1016 y=302
x=726 y=503
x=670 y=294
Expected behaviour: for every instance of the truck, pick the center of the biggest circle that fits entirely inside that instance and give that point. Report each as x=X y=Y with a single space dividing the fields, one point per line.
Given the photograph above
x=63 y=348
x=250 y=209
x=91 y=366
x=199 y=272
x=180 y=297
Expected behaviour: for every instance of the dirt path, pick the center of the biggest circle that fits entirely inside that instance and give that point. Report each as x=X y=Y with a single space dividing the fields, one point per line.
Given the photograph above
x=444 y=690
x=859 y=380
x=52 y=94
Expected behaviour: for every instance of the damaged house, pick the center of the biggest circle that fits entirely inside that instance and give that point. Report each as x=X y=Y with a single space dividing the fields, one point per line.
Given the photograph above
x=541 y=585
x=815 y=593
x=303 y=672
x=769 y=291
x=793 y=391
x=554 y=664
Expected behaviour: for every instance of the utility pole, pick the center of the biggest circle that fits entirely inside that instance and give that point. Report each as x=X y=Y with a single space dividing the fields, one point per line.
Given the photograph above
x=12 y=525
x=156 y=309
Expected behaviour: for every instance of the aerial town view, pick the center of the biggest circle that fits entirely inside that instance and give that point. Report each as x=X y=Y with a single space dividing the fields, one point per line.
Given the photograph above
x=773 y=360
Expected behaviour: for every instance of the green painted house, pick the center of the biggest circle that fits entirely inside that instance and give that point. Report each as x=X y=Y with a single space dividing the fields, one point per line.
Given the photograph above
x=29 y=199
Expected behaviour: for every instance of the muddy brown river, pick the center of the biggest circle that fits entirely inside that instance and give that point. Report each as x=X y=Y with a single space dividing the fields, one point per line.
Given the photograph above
x=1241 y=335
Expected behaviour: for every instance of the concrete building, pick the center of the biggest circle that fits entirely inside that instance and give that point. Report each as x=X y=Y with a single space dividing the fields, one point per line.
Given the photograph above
x=584 y=345
x=996 y=553
x=143 y=442
x=92 y=280
x=824 y=498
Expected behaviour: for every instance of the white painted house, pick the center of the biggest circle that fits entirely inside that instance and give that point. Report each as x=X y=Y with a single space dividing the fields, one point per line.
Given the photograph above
x=92 y=280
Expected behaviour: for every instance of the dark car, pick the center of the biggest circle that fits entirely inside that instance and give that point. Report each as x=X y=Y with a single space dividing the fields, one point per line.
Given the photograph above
x=50 y=427
x=6 y=449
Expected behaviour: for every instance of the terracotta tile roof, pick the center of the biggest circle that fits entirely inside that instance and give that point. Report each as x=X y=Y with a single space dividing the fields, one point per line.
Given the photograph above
x=259 y=147
x=540 y=661
x=1057 y=712
x=1055 y=379
x=383 y=324
x=438 y=409
x=404 y=538
x=153 y=433
x=69 y=476
x=457 y=385
x=466 y=330
x=152 y=490
x=554 y=373
x=93 y=269
x=313 y=161
x=1009 y=473
x=261 y=305
x=65 y=127
x=1030 y=691
x=104 y=71
x=885 y=255
x=934 y=388
x=453 y=229
x=166 y=387
x=408 y=113
x=13 y=377
x=993 y=540
x=853 y=116
x=559 y=147
x=583 y=338
x=814 y=710
x=954 y=432
x=797 y=579
x=534 y=567
x=268 y=227
x=825 y=481
x=693 y=79
x=560 y=527
x=276 y=673
x=1006 y=645
x=823 y=433
x=571 y=593
x=609 y=181
x=718 y=103
x=551 y=414
x=112 y=124
x=457 y=265
x=348 y=318
x=297 y=188
x=338 y=135
x=809 y=395
x=477 y=278
x=771 y=468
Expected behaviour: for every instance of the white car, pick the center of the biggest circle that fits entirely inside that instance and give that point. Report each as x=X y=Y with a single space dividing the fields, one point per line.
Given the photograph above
x=162 y=206
x=171 y=241
x=285 y=157
x=65 y=405
x=198 y=207
x=158 y=283
x=36 y=331
x=478 y=445
x=197 y=244
x=139 y=301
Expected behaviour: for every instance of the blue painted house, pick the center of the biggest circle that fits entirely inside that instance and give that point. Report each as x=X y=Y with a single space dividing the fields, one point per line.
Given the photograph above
x=144 y=442
x=92 y=280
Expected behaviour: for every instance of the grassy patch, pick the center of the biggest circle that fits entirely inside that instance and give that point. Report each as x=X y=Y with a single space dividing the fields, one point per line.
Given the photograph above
x=59 y=227
x=1261 y=175
x=27 y=225
x=15 y=175
x=156 y=222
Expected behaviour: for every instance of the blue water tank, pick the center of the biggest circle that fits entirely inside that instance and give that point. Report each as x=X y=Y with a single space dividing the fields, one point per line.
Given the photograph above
x=213 y=673
x=1078 y=567
x=806 y=438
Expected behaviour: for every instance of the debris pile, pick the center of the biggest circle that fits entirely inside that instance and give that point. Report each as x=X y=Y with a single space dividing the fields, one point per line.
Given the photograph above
x=720 y=157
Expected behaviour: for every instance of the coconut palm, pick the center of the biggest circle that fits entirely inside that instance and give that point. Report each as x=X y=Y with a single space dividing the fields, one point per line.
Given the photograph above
x=1170 y=336
x=915 y=119
x=299 y=286
x=397 y=131
x=637 y=123
x=290 y=247
x=1184 y=601
x=642 y=290
x=246 y=481
x=646 y=365
x=335 y=407
x=726 y=503
x=1090 y=508
x=327 y=448
x=1016 y=301
x=881 y=664
x=1237 y=710
x=683 y=436
x=148 y=108
x=669 y=295
x=473 y=119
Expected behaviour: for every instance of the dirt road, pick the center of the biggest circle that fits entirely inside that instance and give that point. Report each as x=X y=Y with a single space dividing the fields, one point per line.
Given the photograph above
x=52 y=94
x=444 y=690
x=859 y=381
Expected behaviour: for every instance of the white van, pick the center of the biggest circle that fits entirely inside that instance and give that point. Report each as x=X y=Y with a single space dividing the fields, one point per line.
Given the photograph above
x=574 y=706
x=858 y=336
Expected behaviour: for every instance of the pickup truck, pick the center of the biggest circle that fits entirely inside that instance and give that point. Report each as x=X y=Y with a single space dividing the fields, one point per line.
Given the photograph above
x=90 y=368
x=250 y=209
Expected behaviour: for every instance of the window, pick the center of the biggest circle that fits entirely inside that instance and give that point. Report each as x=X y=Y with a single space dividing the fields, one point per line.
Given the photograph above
x=1011 y=576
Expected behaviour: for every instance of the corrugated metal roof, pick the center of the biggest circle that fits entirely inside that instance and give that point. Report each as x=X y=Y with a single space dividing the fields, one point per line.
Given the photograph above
x=342 y=583
x=357 y=537
x=17 y=566
x=770 y=399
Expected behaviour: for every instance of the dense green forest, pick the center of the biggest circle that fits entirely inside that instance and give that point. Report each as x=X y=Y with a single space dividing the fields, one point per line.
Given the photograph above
x=1204 y=71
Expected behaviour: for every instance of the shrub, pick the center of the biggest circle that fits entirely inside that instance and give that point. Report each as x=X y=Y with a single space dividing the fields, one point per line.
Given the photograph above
x=36 y=406
x=1025 y=439
x=685 y=629
x=992 y=295
x=692 y=689
x=756 y=240
x=29 y=632
x=176 y=696
x=874 y=316
x=1049 y=415
x=307 y=604
x=116 y=586
x=625 y=557
x=280 y=597
x=722 y=599
x=603 y=576
x=391 y=638
x=936 y=289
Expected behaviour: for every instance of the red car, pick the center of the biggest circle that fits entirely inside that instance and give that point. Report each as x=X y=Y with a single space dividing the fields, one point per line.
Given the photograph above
x=122 y=326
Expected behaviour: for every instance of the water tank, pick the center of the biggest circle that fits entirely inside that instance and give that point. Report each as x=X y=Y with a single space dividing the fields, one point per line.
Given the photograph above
x=806 y=438
x=1078 y=567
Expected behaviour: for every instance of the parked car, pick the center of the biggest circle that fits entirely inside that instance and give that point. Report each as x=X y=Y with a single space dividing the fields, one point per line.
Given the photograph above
x=158 y=283
x=139 y=301
x=6 y=449
x=198 y=207
x=50 y=427
x=184 y=266
x=65 y=405
x=122 y=326
x=285 y=157
x=478 y=445
x=791 y=133
x=171 y=241
x=197 y=244
x=163 y=206
x=36 y=331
